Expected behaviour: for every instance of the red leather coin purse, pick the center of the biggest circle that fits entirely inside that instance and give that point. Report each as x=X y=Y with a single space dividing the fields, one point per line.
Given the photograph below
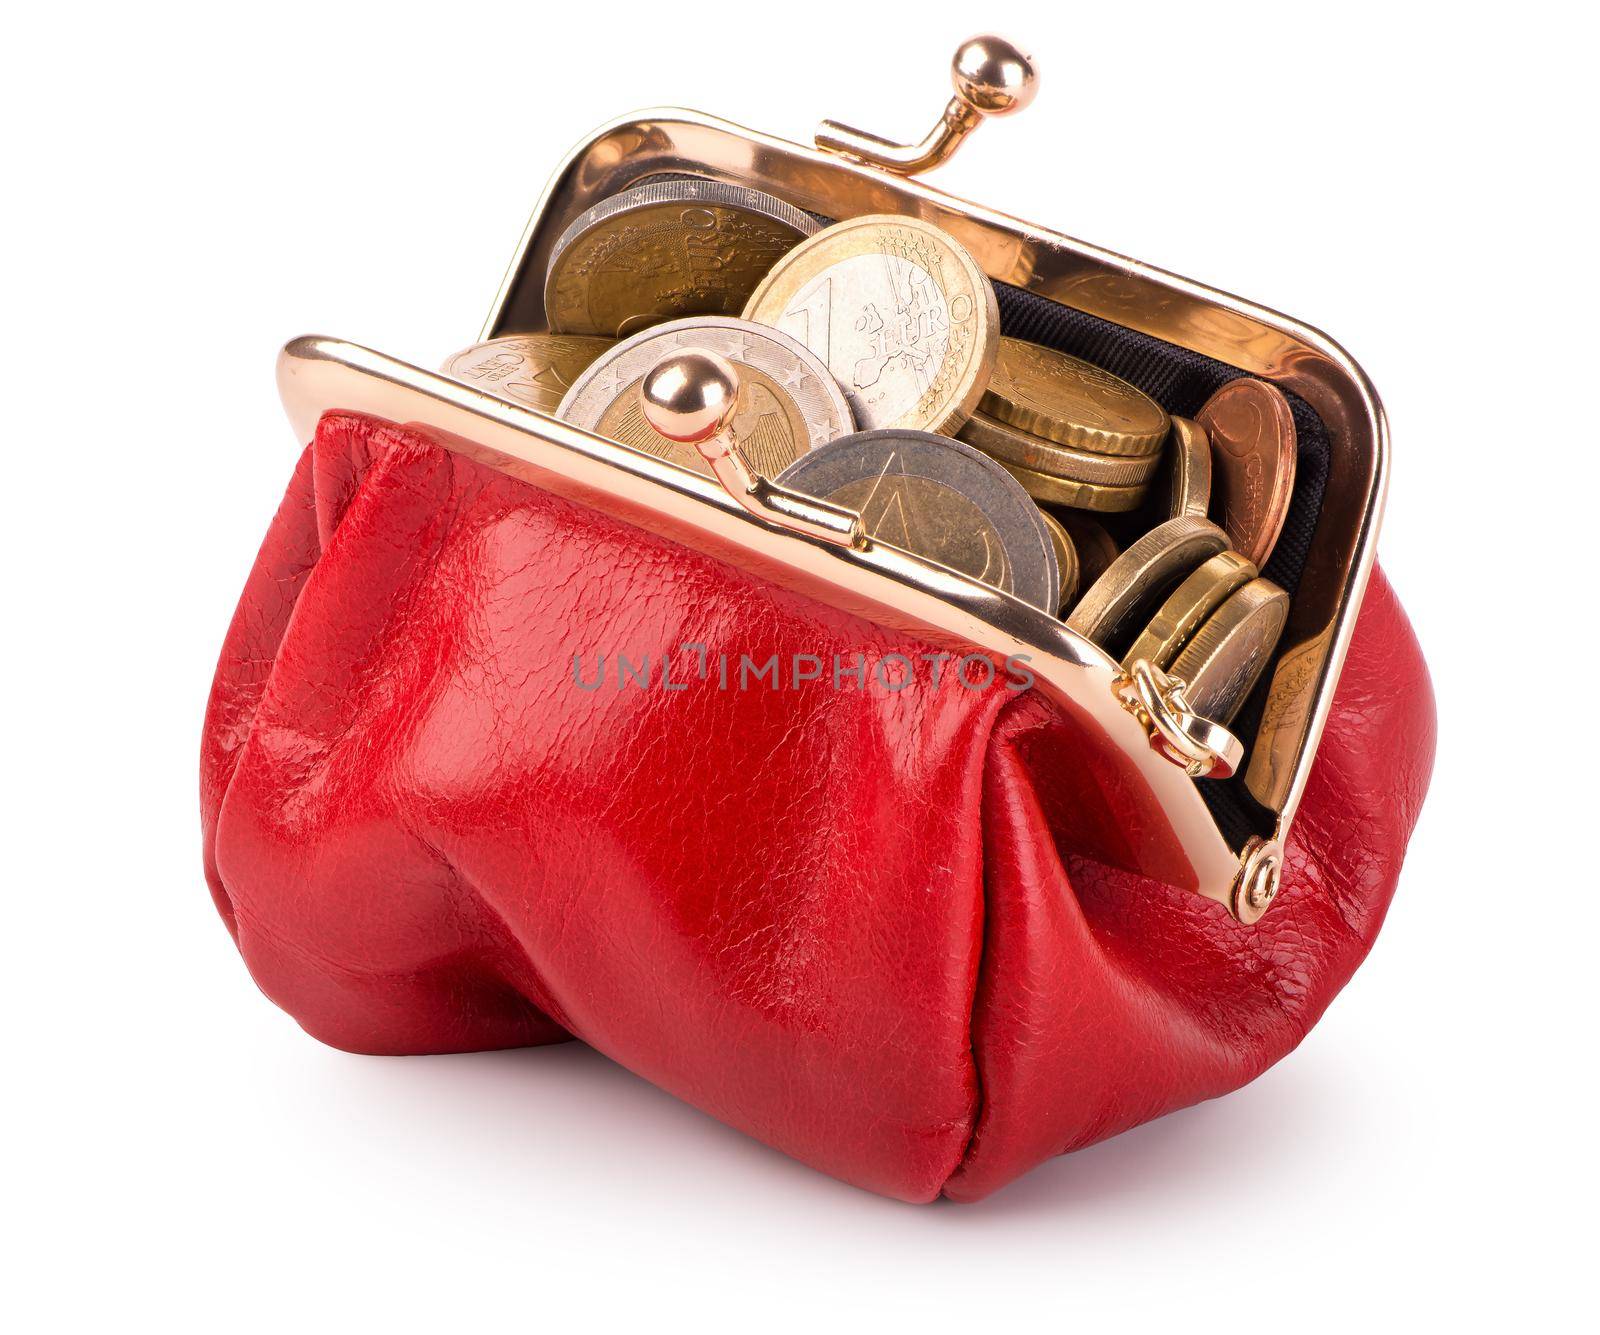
x=519 y=736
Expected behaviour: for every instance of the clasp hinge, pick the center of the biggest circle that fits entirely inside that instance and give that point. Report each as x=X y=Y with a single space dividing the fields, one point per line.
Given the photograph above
x=1206 y=750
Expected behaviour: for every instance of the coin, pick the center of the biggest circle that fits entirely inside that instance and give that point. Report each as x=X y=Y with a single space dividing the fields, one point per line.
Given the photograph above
x=942 y=500
x=1066 y=559
x=899 y=311
x=1222 y=663
x=1022 y=449
x=1200 y=594
x=788 y=403
x=1110 y=610
x=1072 y=402
x=663 y=251
x=1185 y=483
x=1252 y=457
x=1077 y=495
x=531 y=369
x=1096 y=548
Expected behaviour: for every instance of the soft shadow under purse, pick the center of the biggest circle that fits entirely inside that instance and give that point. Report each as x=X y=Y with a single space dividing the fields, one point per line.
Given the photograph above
x=921 y=936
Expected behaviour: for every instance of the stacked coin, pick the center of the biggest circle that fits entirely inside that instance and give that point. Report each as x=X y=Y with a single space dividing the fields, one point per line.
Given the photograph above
x=1072 y=434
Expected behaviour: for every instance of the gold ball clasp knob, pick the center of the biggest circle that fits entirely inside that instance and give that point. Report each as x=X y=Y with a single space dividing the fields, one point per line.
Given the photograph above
x=689 y=395
x=991 y=75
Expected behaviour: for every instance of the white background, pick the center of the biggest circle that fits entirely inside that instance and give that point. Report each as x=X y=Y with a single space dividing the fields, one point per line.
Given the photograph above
x=188 y=187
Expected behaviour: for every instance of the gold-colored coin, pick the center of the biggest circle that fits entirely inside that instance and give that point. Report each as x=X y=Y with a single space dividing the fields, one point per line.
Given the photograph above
x=898 y=310
x=531 y=369
x=1077 y=495
x=1072 y=402
x=1185 y=483
x=1187 y=606
x=660 y=252
x=1022 y=449
x=1222 y=663
x=1066 y=558
x=1116 y=603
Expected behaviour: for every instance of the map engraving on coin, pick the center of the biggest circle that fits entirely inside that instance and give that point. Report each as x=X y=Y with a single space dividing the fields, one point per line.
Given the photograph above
x=663 y=251
x=788 y=403
x=941 y=500
x=899 y=311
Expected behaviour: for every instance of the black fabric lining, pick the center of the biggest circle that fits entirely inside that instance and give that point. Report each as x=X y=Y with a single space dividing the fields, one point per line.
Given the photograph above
x=1180 y=381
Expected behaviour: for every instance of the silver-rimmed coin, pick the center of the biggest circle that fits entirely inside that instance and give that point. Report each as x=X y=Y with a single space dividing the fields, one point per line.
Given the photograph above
x=788 y=403
x=943 y=501
x=664 y=251
x=898 y=309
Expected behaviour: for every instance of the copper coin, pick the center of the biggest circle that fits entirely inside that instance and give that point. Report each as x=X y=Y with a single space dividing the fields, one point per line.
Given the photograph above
x=1222 y=663
x=1115 y=605
x=1252 y=460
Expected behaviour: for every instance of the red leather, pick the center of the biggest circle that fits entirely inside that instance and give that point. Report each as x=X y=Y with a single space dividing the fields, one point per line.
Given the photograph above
x=425 y=838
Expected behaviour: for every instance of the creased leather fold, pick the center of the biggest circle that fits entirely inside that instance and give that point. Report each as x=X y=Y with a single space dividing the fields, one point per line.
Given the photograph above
x=846 y=921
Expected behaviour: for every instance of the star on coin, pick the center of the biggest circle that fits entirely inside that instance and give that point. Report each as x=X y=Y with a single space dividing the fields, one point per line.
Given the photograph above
x=773 y=423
